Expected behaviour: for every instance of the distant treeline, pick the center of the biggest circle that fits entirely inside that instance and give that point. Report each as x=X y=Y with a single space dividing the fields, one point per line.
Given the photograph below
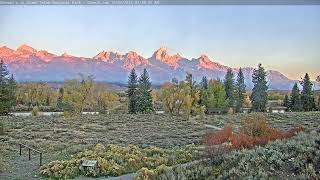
x=186 y=97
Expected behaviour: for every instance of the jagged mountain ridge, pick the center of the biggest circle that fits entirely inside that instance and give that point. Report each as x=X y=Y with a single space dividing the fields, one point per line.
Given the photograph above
x=29 y=64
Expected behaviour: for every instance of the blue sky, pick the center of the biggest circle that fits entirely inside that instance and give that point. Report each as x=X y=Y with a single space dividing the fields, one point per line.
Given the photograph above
x=284 y=38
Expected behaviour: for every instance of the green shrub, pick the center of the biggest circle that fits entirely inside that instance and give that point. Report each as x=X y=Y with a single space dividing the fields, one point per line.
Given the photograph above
x=145 y=173
x=254 y=124
x=35 y=111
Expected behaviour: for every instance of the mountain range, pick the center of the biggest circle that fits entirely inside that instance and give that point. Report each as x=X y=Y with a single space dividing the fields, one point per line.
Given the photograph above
x=30 y=64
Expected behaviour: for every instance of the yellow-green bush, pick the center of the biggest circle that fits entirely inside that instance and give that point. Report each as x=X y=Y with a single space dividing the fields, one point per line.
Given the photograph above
x=114 y=160
x=254 y=124
x=35 y=111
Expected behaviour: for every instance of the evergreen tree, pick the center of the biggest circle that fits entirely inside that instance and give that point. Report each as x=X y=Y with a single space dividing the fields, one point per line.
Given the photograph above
x=12 y=90
x=259 y=96
x=229 y=87
x=7 y=89
x=295 y=100
x=60 y=104
x=286 y=102
x=307 y=98
x=240 y=91
x=132 y=88
x=144 y=98
x=204 y=82
x=203 y=91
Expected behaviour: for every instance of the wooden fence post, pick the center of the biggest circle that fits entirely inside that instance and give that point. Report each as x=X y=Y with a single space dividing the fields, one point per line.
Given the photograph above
x=40 y=159
x=29 y=154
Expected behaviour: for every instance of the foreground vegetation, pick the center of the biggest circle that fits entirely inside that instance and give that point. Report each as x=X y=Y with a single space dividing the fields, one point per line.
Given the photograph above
x=226 y=155
x=59 y=138
x=297 y=157
x=114 y=160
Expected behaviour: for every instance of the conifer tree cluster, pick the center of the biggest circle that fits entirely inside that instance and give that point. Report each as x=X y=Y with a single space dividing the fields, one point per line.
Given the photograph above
x=230 y=93
x=295 y=100
x=139 y=93
x=229 y=87
x=286 y=102
x=7 y=89
x=203 y=91
x=235 y=90
x=307 y=98
x=259 y=96
x=301 y=101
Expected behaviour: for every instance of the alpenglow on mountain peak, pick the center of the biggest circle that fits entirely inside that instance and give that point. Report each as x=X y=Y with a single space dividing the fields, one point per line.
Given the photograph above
x=30 y=64
x=26 y=48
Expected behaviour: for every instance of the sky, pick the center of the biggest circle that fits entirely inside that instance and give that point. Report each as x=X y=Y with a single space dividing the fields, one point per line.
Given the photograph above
x=283 y=38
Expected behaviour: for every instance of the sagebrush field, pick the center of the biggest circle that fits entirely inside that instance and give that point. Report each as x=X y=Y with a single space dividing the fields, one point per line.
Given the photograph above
x=59 y=138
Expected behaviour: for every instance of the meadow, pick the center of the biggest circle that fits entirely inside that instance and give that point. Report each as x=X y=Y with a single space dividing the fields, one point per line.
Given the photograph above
x=59 y=138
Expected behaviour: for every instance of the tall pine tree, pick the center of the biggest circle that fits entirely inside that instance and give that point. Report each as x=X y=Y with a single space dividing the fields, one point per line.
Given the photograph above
x=132 y=88
x=259 y=96
x=203 y=91
x=7 y=89
x=204 y=82
x=295 y=100
x=229 y=88
x=240 y=89
x=307 y=98
x=143 y=94
x=12 y=90
x=286 y=102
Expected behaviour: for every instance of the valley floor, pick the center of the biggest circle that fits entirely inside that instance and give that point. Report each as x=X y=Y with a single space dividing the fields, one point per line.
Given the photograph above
x=58 y=138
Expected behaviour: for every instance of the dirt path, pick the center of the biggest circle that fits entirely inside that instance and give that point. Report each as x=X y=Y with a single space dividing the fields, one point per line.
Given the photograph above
x=123 y=177
x=211 y=126
x=19 y=167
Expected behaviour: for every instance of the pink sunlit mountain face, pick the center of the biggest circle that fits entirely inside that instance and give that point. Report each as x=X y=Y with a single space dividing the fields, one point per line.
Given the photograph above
x=29 y=64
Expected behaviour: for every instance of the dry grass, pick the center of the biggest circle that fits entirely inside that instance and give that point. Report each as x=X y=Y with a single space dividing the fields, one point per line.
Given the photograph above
x=51 y=134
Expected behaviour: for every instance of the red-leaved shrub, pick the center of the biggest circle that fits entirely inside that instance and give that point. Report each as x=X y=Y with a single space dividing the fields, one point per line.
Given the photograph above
x=293 y=132
x=252 y=133
x=241 y=140
x=218 y=137
x=274 y=134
